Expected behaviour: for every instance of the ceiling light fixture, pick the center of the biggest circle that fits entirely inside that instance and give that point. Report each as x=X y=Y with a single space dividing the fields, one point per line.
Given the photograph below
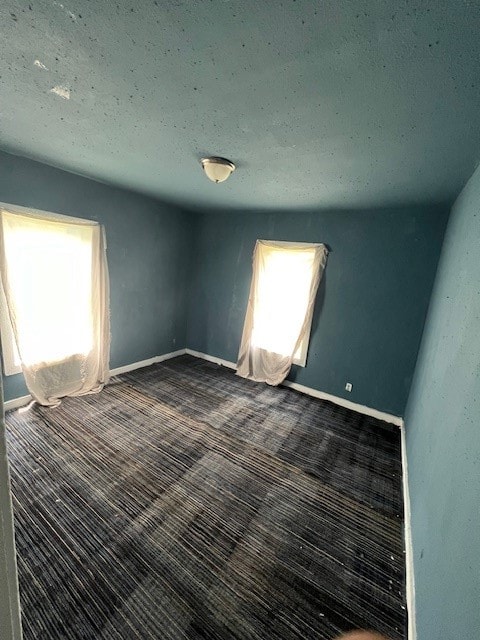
x=217 y=169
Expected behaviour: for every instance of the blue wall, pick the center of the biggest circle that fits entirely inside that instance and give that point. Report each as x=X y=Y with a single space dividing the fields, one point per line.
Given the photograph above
x=370 y=308
x=147 y=243
x=443 y=437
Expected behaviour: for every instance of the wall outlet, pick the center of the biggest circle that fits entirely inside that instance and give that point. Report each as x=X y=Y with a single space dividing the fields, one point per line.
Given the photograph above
x=348 y=386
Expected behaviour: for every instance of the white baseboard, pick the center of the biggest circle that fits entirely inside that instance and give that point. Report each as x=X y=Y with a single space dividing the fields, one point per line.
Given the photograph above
x=343 y=402
x=15 y=403
x=360 y=408
x=410 y=576
x=205 y=356
x=146 y=363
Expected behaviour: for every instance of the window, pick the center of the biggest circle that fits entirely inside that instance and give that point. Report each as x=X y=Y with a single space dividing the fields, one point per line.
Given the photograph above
x=55 y=277
x=276 y=330
x=285 y=273
x=284 y=276
x=49 y=266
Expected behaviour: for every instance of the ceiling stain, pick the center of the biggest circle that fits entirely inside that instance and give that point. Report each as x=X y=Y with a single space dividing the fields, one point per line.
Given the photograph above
x=63 y=92
x=67 y=12
x=40 y=65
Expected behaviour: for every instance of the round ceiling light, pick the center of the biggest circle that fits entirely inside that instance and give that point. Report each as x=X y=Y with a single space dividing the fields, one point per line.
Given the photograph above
x=217 y=169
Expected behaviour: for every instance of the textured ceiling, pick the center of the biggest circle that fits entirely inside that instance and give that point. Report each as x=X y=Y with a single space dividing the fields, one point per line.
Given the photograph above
x=320 y=104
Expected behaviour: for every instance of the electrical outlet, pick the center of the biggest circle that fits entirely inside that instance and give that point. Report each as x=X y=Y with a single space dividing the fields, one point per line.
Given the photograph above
x=348 y=386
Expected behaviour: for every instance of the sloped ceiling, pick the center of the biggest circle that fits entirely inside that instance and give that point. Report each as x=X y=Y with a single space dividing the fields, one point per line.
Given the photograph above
x=320 y=104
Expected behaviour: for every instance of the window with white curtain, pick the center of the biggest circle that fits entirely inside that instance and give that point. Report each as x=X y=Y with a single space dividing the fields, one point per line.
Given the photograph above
x=283 y=294
x=276 y=331
x=55 y=302
x=50 y=273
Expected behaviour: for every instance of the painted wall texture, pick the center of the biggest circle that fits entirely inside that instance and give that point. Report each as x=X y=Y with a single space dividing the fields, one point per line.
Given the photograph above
x=443 y=437
x=148 y=244
x=370 y=307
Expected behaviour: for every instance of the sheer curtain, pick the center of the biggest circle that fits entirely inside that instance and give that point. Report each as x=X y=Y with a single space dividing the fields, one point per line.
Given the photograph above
x=55 y=281
x=279 y=314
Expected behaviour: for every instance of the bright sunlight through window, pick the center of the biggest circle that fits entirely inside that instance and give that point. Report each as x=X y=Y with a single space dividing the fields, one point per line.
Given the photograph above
x=284 y=282
x=50 y=276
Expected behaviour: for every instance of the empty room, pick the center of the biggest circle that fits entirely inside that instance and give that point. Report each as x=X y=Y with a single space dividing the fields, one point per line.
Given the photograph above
x=240 y=320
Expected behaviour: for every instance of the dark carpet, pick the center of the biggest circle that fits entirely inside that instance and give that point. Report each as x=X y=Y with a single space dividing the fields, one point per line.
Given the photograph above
x=186 y=502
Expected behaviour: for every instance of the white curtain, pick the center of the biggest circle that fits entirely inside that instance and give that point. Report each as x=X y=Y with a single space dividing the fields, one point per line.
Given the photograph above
x=279 y=314
x=55 y=282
